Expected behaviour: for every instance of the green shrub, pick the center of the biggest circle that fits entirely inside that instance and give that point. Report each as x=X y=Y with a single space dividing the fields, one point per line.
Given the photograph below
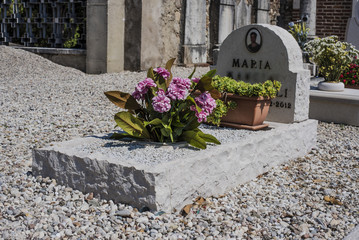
x=226 y=84
x=220 y=111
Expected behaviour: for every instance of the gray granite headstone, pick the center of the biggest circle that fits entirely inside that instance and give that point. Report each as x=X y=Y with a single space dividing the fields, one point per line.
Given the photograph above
x=275 y=56
x=352 y=32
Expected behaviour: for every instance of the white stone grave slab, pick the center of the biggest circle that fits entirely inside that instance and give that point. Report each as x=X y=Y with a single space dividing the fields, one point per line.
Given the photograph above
x=164 y=178
x=337 y=107
x=276 y=56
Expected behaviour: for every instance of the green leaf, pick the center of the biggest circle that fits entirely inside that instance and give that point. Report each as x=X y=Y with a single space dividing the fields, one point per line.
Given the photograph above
x=119 y=136
x=177 y=123
x=131 y=125
x=168 y=66
x=150 y=73
x=194 y=70
x=205 y=84
x=215 y=94
x=178 y=131
x=211 y=73
x=166 y=132
x=194 y=139
x=208 y=137
x=192 y=125
x=191 y=100
x=123 y=100
x=155 y=122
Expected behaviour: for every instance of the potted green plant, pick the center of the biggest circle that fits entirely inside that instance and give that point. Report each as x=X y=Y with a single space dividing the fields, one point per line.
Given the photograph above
x=247 y=104
x=162 y=108
x=332 y=56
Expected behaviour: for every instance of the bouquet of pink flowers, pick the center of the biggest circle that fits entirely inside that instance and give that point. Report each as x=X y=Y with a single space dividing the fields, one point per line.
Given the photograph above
x=164 y=108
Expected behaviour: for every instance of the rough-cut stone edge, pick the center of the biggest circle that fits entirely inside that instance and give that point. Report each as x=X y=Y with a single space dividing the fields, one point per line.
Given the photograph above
x=215 y=172
x=97 y=176
x=173 y=184
x=353 y=235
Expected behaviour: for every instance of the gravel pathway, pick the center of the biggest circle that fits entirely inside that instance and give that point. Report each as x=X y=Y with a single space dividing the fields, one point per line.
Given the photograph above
x=314 y=197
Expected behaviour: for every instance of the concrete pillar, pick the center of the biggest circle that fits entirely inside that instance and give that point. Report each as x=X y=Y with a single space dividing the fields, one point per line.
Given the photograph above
x=243 y=13
x=105 y=36
x=133 y=35
x=308 y=10
x=226 y=19
x=263 y=11
x=195 y=50
x=151 y=40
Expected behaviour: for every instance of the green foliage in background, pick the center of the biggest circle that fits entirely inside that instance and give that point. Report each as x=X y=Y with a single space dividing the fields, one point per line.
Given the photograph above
x=300 y=33
x=331 y=55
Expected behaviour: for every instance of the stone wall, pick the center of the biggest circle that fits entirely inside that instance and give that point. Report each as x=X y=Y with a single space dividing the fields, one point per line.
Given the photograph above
x=332 y=17
x=274 y=11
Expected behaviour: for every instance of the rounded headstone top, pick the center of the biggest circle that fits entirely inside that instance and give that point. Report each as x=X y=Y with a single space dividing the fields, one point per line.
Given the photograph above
x=356 y=11
x=260 y=42
x=260 y=52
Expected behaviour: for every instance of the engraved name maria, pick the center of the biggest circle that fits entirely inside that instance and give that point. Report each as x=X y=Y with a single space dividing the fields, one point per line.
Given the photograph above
x=251 y=64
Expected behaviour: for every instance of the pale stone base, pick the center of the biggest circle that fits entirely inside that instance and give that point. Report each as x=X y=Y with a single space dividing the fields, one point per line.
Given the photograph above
x=172 y=184
x=337 y=107
x=194 y=54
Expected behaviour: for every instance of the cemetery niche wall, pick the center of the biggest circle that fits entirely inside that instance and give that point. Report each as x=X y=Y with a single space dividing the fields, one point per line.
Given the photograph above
x=260 y=52
x=43 y=24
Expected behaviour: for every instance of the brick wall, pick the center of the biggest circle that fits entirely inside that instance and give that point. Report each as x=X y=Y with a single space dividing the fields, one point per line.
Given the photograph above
x=332 y=17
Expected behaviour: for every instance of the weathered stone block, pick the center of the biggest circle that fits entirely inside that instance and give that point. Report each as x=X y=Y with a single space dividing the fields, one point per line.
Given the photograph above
x=163 y=178
x=337 y=107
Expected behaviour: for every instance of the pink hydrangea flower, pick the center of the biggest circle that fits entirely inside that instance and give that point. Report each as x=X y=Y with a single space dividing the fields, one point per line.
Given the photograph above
x=178 y=88
x=206 y=103
x=161 y=103
x=142 y=88
x=183 y=83
x=196 y=80
x=162 y=72
x=174 y=93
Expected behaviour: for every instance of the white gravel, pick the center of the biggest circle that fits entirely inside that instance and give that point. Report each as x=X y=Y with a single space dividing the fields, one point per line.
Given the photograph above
x=41 y=102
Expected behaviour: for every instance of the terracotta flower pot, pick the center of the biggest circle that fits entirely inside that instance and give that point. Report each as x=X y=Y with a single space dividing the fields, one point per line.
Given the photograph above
x=250 y=112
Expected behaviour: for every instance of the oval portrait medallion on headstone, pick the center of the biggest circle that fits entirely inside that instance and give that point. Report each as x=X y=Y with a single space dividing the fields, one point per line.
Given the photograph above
x=253 y=40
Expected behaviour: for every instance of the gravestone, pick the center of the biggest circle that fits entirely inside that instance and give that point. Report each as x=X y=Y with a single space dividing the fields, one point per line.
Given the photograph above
x=194 y=47
x=260 y=52
x=352 y=32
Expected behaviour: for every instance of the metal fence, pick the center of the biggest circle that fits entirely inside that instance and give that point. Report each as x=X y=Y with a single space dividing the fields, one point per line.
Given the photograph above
x=43 y=23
